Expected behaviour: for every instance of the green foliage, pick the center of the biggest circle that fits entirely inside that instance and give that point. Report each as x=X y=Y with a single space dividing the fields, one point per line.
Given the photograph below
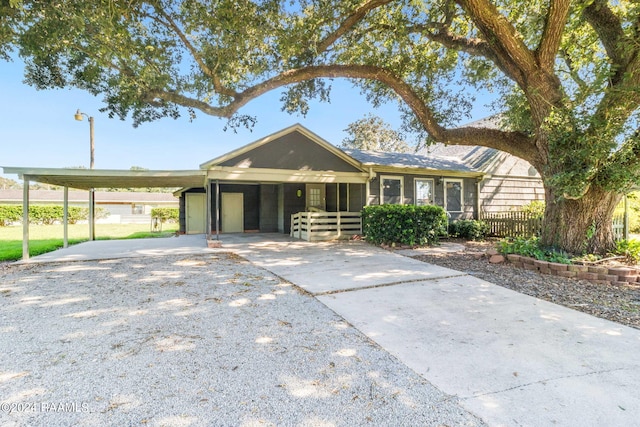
x=535 y=208
x=403 y=224
x=470 y=229
x=10 y=214
x=531 y=248
x=373 y=133
x=166 y=214
x=629 y=249
x=47 y=214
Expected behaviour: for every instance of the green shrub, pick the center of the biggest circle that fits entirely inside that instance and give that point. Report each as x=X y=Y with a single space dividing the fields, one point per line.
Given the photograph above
x=166 y=214
x=531 y=248
x=470 y=229
x=404 y=224
x=10 y=214
x=629 y=249
x=47 y=214
x=535 y=208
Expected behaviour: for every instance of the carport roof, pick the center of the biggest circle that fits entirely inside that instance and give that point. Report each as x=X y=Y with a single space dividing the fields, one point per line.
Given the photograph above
x=109 y=178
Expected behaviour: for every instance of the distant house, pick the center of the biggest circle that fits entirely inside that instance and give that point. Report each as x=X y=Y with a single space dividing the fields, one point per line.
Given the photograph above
x=122 y=207
x=260 y=186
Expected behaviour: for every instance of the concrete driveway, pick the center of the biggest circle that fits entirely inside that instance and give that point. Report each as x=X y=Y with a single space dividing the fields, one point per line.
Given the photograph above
x=511 y=359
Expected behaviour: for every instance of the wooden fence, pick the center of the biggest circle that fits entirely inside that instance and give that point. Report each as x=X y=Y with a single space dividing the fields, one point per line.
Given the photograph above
x=524 y=224
x=317 y=226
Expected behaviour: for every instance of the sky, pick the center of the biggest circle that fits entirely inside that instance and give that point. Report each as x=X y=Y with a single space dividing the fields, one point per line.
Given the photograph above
x=37 y=128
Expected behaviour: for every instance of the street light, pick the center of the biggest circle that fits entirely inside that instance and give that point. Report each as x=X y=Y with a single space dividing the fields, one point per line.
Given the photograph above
x=92 y=202
x=78 y=117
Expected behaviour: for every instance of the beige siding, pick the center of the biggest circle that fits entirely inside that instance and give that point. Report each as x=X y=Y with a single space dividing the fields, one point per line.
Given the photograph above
x=506 y=193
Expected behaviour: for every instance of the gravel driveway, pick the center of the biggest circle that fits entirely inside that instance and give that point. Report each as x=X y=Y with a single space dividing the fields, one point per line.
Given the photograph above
x=193 y=340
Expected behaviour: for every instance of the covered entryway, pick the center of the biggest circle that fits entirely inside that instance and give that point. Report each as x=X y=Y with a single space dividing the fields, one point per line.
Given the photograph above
x=196 y=213
x=232 y=206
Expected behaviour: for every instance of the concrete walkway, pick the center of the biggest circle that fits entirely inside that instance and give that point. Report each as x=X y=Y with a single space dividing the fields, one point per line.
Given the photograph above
x=511 y=359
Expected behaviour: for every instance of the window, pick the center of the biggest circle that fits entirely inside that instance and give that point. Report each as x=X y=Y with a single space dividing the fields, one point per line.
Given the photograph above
x=391 y=190
x=137 y=209
x=424 y=192
x=453 y=195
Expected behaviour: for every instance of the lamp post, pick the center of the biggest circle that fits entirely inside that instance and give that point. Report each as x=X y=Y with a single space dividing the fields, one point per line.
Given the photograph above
x=78 y=116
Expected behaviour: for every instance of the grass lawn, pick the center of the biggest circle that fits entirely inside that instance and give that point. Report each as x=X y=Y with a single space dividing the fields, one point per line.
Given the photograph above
x=47 y=238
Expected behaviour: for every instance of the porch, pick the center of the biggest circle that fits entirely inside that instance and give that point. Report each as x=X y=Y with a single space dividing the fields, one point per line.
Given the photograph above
x=318 y=226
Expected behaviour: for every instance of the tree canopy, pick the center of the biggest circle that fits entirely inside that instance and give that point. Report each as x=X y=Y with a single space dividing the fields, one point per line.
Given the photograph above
x=567 y=72
x=373 y=133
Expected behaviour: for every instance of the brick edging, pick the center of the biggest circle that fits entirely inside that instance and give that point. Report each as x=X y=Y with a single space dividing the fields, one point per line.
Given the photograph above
x=595 y=274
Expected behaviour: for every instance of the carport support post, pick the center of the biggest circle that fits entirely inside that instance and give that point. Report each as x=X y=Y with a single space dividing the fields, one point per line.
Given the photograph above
x=25 y=218
x=65 y=217
x=92 y=213
x=208 y=189
x=217 y=209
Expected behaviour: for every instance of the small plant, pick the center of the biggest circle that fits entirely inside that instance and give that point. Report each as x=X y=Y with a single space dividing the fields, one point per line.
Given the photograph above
x=629 y=249
x=469 y=229
x=531 y=248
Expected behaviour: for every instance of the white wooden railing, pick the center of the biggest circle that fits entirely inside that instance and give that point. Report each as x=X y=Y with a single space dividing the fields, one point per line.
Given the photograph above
x=316 y=226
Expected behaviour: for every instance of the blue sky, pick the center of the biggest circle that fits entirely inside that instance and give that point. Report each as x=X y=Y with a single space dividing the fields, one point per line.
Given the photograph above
x=37 y=128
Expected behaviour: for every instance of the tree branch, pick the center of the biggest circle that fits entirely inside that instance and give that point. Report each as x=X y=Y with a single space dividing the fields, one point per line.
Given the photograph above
x=502 y=37
x=515 y=143
x=348 y=23
x=552 y=34
x=609 y=29
x=172 y=25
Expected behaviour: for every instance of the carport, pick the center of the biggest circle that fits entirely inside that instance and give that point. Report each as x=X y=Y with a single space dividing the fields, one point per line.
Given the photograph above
x=88 y=179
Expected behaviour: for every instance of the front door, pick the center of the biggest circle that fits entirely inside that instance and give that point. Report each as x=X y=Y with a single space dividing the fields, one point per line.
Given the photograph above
x=232 y=205
x=316 y=196
x=196 y=213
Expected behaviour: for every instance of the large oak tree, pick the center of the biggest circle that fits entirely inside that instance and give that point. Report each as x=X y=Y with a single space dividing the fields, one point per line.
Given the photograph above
x=567 y=72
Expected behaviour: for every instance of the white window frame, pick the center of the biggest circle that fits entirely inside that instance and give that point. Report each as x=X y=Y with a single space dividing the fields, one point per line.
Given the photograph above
x=394 y=177
x=415 y=190
x=446 y=180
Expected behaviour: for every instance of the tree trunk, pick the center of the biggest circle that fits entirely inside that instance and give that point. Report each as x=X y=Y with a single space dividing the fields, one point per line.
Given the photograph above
x=580 y=226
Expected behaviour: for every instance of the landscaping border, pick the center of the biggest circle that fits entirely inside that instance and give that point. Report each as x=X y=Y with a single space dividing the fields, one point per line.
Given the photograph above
x=603 y=275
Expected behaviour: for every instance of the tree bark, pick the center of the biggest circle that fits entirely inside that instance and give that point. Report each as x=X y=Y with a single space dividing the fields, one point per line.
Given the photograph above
x=583 y=225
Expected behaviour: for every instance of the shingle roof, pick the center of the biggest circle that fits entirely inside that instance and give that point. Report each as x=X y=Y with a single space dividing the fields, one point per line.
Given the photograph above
x=405 y=160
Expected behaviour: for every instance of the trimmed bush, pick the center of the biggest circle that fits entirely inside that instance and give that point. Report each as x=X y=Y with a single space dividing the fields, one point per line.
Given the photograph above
x=470 y=229
x=403 y=224
x=10 y=214
x=47 y=214
x=166 y=214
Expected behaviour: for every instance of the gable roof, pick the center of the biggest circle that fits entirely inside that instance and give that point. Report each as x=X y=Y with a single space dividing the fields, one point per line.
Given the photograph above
x=279 y=136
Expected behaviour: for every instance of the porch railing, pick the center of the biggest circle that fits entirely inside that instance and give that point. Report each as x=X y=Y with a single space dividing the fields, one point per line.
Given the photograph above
x=317 y=226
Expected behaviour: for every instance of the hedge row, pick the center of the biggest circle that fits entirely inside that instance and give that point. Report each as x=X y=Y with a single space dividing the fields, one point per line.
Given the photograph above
x=46 y=214
x=166 y=214
x=404 y=224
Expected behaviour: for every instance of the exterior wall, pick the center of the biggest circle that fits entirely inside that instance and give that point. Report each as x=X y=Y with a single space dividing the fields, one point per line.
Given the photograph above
x=182 y=216
x=499 y=193
x=268 y=208
x=293 y=151
x=292 y=203
x=251 y=204
x=469 y=191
